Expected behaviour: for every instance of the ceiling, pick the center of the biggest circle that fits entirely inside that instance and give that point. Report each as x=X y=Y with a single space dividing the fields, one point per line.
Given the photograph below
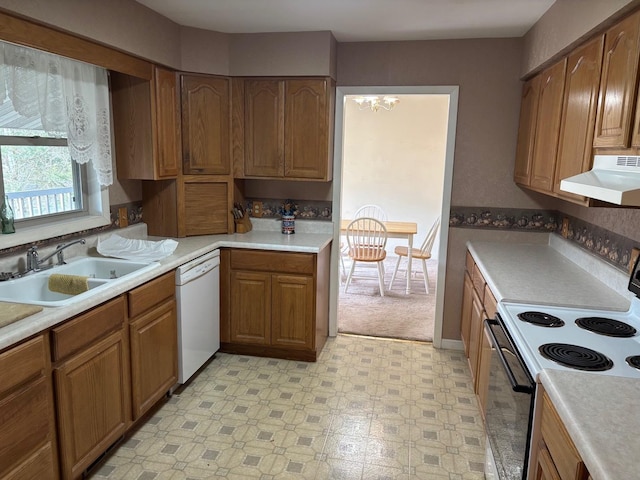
x=360 y=20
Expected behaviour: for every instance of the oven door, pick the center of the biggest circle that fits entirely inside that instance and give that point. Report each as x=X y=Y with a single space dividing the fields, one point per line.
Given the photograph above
x=509 y=406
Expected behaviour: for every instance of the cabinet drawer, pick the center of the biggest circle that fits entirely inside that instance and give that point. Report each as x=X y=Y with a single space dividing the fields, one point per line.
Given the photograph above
x=87 y=328
x=470 y=263
x=22 y=363
x=269 y=261
x=564 y=454
x=478 y=282
x=490 y=303
x=151 y=293
x=25 y=417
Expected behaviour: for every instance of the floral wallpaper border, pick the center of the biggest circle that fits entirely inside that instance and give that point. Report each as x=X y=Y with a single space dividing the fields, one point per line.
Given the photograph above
x=302 y=209
x=609 y=246
x=134 y=215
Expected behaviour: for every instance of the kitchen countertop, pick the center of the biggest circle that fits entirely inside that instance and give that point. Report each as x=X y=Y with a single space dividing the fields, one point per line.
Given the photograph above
x=188 y=249
x=539 y=274
x=608 y=443
x=606 y=439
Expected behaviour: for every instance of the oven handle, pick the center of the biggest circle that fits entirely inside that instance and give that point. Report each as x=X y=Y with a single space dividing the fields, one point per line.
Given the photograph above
x=512 y=379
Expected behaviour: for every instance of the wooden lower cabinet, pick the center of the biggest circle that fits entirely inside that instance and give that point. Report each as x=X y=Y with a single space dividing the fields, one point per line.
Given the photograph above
x=28 y=448
x=465 y=321
x=92 y=384
x=554 y=456
x=277 y=303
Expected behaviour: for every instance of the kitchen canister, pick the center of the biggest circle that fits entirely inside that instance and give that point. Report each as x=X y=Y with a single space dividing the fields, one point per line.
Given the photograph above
x=288 y=224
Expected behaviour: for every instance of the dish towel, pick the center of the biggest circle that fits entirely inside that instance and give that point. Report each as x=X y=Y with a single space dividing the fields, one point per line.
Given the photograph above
x=136 y=249
x=68 y=284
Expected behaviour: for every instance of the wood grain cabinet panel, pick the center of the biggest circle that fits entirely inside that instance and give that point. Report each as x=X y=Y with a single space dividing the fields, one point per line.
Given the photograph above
x=476 y=329
x=578 y=114
x=547 y=127
x=465 y=321
x=205 y=210
x=264 y=128
x=545 y=469
x=28 y=446
x=526 y=131
x=292 y=311
x=167 y=121
x=250 y=308
x=618 y=84
x=93 y=402
x=206 y=125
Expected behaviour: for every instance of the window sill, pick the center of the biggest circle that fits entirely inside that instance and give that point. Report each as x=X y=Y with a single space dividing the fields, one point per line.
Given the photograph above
x=33 y=234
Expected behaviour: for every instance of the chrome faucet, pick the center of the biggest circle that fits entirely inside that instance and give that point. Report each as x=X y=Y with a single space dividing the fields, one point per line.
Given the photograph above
x=34 y=262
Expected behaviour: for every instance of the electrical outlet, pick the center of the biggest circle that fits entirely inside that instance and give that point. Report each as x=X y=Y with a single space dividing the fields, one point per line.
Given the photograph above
x=634 y=255
x=565 y=227
x=123 y=220
x=256 y=210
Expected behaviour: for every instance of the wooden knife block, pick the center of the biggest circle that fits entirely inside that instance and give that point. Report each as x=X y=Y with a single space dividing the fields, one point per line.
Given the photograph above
x=243 y=225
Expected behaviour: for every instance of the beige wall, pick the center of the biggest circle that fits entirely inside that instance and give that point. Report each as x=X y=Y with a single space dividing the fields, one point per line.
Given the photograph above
x=564 y=24
x=204 y=51
x=396 y=160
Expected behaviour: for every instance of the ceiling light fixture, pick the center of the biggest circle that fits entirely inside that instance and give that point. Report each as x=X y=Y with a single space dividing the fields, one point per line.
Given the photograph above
x=374 y=103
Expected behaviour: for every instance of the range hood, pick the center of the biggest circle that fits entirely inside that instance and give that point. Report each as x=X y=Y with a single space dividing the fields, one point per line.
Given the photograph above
x=614 y=179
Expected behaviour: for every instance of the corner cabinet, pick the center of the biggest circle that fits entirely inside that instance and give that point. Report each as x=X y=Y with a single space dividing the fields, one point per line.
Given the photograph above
x=146 y=125
x=206 y=125
x=287 y=128
x=28 y=447
x=277 y=303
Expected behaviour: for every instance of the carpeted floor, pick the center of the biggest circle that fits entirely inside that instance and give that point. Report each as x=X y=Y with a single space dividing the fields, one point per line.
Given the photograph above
x=396 y=315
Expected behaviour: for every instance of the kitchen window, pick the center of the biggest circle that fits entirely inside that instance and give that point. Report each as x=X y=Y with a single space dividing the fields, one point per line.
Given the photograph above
x=55 y=144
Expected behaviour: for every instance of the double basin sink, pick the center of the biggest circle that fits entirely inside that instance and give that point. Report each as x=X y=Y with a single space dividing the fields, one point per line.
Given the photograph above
x=102 y=273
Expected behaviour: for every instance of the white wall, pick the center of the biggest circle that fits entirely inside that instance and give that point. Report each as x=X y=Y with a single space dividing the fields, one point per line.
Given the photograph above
x=395 y=159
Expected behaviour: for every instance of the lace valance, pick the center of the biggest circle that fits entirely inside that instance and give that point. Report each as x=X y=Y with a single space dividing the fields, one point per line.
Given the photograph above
x=70 y=98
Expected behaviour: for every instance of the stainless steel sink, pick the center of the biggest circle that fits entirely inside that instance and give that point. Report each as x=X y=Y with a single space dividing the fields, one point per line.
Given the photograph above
x=103 y=273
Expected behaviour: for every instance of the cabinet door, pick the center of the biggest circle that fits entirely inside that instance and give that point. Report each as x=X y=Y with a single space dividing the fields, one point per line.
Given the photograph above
x=548 y=127
x=154 y=356
x=578 y=114
x=526 y=130
x=465 y=321
x=618 y=84
x=306 y=129
x=167 y=121
x=475 y=336
x=206 y=125
x=292 y=311
x=93 y=402
x=484 y=366
x=264 y=128
x=545 y=469
x=250 y=308
x=205 y=208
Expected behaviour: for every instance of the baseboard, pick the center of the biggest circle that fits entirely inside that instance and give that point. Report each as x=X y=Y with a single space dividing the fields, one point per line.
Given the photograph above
x=451 y=344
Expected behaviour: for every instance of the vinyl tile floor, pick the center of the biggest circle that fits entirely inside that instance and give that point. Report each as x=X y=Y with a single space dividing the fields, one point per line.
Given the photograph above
x=368 y=409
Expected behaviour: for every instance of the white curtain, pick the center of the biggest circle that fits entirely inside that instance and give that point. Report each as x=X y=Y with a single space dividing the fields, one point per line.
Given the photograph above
x=71 y=99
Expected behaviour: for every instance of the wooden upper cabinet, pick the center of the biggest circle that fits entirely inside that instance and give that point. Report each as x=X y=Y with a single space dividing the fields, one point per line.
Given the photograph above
x=578 y=114
x=618 y=84
x=206 y=125
x=526 y=131
x=264 y=128
x=146 y=125
x=288 y=128
x=548 y=126
x=306 y=128
x=167 y=121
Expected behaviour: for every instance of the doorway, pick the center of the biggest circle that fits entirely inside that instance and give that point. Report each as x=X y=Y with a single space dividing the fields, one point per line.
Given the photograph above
x=391 y=188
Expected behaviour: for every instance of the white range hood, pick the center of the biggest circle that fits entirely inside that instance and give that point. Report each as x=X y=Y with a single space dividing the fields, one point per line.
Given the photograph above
x=614 y=179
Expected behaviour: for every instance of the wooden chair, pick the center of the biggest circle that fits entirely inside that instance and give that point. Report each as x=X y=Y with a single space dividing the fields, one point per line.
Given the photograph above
x=366 y=242
x=423 y=254
x=371 y=211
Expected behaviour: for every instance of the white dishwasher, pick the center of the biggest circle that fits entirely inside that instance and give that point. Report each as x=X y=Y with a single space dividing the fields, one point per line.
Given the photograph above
x=198 y=298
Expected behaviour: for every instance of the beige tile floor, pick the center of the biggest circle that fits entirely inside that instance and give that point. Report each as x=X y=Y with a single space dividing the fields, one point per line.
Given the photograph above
x=368 y=409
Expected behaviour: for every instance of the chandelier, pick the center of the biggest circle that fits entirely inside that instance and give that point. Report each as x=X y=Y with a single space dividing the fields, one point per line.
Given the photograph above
x=373 y=102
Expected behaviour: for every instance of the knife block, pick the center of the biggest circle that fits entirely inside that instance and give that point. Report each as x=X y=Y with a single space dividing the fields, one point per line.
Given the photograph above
x=243 y=225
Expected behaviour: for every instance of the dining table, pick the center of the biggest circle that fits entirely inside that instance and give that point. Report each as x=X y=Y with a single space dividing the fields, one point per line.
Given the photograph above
x=396 y=230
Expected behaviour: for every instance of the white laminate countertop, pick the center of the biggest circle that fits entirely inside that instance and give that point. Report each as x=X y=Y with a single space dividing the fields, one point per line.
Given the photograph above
x=188 y=249
x=601 y=412
x=602 y=415
x=540 y=275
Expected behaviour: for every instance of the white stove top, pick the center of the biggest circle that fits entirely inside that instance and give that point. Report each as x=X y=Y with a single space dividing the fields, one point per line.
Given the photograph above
x=529 y=337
